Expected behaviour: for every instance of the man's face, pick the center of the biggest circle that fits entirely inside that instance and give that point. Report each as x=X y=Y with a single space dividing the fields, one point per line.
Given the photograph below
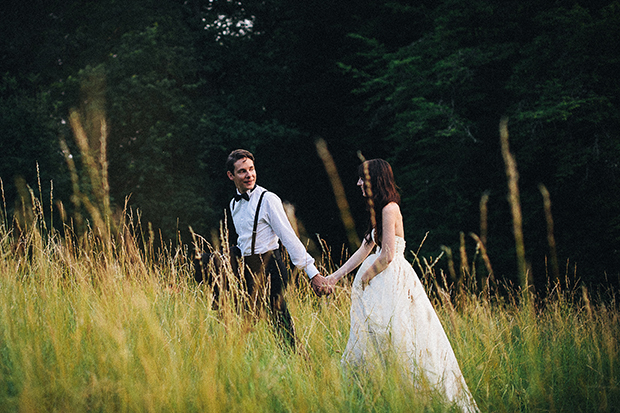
x=244 y=176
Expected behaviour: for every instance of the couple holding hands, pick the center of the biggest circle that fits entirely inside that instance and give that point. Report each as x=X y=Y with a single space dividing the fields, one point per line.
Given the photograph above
x=390 y=311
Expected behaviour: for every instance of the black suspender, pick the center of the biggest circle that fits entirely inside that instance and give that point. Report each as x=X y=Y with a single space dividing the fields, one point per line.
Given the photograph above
x=260 y=201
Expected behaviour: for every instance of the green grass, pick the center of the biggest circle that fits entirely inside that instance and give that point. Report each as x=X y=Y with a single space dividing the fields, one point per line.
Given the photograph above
x=93 y=324
x=102 y=319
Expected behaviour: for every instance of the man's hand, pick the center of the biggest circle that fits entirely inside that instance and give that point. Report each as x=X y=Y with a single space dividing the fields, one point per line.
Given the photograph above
x=320 y=286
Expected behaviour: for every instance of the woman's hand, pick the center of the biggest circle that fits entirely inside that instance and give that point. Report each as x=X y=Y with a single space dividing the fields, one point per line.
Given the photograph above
x=365 y=280
x=331 y=281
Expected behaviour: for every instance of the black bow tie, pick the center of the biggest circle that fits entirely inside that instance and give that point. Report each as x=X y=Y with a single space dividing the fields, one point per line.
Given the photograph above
x=239 y=197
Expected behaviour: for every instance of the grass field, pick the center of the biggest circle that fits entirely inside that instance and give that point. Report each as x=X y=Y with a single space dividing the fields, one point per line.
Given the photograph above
x=108 y=322
x=104 y=318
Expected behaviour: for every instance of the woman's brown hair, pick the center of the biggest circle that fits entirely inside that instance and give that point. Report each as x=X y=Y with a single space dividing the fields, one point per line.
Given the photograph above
x=380 y=189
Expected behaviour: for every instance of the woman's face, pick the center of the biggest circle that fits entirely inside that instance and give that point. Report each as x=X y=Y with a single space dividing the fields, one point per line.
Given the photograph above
x=360 y=183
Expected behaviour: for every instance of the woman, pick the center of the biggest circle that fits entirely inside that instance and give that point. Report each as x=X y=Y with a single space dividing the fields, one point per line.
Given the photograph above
x=390 y=311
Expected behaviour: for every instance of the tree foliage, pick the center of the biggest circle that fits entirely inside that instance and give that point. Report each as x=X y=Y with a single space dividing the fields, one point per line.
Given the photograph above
x=437 y=102
x=423 y=85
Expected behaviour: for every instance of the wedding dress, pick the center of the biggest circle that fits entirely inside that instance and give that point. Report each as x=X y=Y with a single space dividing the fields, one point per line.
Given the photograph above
x=394 y=314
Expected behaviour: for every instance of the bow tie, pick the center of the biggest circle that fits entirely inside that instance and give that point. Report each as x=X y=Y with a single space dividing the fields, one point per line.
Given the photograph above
x=239 y=197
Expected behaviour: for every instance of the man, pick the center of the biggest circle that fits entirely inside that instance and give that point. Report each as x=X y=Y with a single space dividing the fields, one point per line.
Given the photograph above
x=259 y=237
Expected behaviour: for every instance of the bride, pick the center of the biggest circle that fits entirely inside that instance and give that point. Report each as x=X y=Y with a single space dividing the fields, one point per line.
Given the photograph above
x=390 y=310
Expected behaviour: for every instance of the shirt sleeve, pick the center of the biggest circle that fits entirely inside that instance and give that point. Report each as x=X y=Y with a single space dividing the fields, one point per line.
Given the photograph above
x=282 y=227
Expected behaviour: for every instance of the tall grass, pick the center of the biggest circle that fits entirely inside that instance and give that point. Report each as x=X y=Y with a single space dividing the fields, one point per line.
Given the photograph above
x=107 y=319
x=85 y=329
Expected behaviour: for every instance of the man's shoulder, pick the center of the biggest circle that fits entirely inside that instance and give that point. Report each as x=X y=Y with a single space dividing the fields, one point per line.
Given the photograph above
x=271 y=197
x=271 y=201
x=267 y=193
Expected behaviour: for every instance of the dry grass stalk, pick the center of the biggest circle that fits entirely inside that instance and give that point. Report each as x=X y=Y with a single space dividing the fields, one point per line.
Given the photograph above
x=485 y=257
x=451 y=270
x=3 y=216
x=484 y=200
x=555 y=268
x=515 y=203
x=339 y=193
x=368 y=189
x=464 y=268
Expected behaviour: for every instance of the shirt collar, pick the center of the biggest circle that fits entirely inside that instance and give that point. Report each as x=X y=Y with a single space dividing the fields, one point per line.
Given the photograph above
x=249 y=193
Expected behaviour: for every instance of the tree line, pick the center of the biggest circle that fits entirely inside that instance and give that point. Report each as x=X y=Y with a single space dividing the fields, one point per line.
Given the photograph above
x=422 y=84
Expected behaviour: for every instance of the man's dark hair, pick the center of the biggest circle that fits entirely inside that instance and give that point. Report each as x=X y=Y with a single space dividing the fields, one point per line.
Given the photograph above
x=235 y=156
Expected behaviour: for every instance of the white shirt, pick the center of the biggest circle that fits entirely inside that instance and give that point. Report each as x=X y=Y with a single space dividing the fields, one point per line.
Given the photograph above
x=273 y=225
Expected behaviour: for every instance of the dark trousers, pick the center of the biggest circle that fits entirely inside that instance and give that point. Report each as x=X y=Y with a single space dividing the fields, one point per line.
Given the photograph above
x=263 y=282
x=266 y=278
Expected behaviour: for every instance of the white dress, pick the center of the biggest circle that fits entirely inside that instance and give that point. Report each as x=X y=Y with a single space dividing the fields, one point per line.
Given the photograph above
x=394 y=314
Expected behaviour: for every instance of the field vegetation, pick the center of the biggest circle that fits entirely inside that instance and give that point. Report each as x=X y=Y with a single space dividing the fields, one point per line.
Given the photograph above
x=109 y=318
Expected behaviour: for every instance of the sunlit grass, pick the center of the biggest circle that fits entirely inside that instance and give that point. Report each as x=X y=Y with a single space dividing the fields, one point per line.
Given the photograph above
x=84 y=328
x=99 y=316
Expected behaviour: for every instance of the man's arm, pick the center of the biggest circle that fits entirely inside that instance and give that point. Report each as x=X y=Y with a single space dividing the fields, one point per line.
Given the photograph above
x=280 y=224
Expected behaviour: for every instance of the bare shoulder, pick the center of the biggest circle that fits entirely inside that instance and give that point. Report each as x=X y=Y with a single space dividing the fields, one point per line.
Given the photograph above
x=392 y=217
x=391 y=209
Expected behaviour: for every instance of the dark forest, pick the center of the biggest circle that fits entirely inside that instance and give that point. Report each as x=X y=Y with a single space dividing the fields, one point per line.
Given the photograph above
x=421 y=84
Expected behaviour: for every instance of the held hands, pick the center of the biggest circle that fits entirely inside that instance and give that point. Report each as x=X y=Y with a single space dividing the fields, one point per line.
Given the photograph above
x=321 y=286
x=331 y=280
x=325 y=285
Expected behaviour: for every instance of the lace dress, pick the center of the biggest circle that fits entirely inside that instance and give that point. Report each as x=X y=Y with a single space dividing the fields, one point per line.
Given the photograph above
x=393 y=315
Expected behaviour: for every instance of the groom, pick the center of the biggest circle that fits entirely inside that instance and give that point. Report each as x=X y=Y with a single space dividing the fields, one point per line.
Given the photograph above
x=260 y=223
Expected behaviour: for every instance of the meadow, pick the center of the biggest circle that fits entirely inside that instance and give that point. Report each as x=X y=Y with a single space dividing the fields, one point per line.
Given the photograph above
x=109 y=321
x=101 y=315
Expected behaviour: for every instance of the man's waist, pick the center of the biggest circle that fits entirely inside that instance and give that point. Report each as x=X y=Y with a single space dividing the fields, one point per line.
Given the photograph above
x=263 y=254
x=256 y=262
x=259 y=248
